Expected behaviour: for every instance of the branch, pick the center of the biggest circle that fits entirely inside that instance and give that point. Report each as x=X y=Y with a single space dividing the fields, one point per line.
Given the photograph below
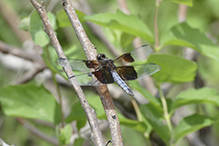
x=123 y=6
x=156 y=32
x=37 y=132
x=90 y=113
x=12 y=19
x=32 y=72
x=38 y=63
x=9 y=49
x=91 y=54
x=182 y=12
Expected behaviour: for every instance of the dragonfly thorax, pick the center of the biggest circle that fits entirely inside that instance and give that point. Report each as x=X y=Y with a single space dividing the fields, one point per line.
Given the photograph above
x=105 y=62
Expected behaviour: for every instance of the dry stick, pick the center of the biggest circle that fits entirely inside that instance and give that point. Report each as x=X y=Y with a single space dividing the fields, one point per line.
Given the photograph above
x=91 y=54
x=96 y=135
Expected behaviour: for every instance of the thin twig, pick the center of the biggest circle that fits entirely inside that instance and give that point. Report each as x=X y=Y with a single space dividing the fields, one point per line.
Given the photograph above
x=38 y=133
x=182 y=12
x=123 y=6
x=91 y=54
x=90 y=113
x=166 y=114
x=12 y=19
x=156 y=32
x=60 y=99
x=31 y=73
x=9 y=49
x=38 y=63
x=52 y=5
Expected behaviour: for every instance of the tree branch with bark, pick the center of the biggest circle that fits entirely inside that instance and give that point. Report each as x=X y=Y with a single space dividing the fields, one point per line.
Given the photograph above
x=90 y=52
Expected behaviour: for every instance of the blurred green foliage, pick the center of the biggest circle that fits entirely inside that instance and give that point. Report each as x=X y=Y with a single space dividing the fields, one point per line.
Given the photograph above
x=199 y=32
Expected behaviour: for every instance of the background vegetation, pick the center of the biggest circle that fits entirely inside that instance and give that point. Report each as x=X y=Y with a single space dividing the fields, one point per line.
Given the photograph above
x=182 y=99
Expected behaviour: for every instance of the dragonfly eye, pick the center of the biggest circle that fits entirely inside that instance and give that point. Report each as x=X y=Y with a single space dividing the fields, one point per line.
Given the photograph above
x=101 y=56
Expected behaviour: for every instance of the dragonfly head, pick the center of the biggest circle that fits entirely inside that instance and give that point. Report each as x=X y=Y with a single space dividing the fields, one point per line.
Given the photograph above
x=101 y=57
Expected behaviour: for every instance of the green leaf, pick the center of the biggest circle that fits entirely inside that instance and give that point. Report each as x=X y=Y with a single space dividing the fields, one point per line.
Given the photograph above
x=77 y=113
x=81 y=123
x=185 y=2
x=63 y=20
x=127 y=23
x=126 y=39
x=65 y=135
x=41 y=38
x=191 y=124
x=136 y=125
x=173 y=69
x=36 y=29
x=153 y=100
x=156 y=120
x=95 y=103
x=79 y=142
x=50 y=57
x=24 y=24
x=29 y=101
x=52 y=20
x=114 y=36
x=196 y=96
x=183 y=35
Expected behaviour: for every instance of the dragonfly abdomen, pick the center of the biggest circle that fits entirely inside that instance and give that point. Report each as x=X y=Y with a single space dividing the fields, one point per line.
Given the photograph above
x=121 y=83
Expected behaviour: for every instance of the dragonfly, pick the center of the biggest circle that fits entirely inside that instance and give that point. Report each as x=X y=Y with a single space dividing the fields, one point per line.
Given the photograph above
x=119 y=70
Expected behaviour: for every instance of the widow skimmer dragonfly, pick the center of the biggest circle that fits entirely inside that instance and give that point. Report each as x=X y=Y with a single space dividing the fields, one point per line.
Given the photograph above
x=107 y=71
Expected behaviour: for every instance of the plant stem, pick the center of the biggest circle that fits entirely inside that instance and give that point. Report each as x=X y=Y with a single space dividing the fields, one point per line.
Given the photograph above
x=156 y=32
x=165 y=109
x=137 y=110
x=147 y=138
x=139 y=117
x=58 y=91
x=60 y=99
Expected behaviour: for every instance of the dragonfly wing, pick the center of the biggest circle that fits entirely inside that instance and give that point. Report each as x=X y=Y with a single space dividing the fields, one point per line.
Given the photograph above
x=138 y=71
x=127 y=73
x=87 y=79
x=138 y=54
x=77 y=64
x=148 y=69
x=141 y=53
x=104 y=76
x=92 y=78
